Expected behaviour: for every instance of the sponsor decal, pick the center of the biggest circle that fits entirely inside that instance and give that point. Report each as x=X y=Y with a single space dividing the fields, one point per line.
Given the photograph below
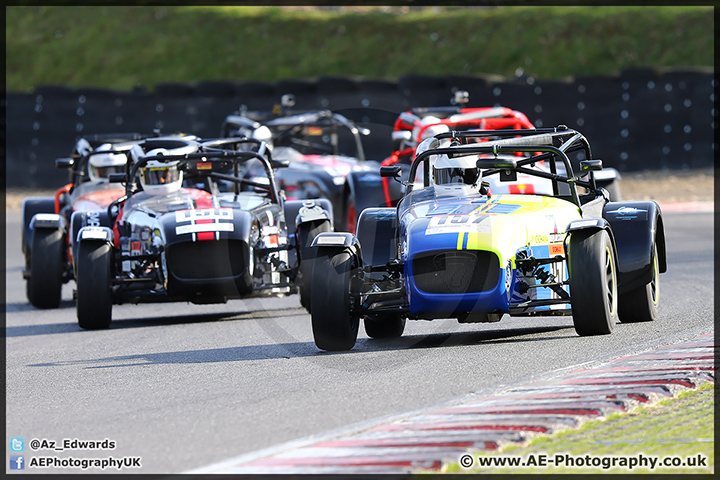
x=557 y=249
x=556 y=237
x=629 y=213
x=93 y=219
x=539 y=239
x=459 y=223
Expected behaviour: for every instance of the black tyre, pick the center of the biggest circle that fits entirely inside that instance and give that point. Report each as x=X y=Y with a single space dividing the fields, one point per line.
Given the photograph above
x=386 y=325
x=593 y=282
x=641 y=304
x=94 y=300
x=306 y=234
x=334 y=326
x=46 y=268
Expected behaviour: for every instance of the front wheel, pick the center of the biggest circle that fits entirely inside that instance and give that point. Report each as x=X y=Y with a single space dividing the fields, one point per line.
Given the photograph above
x=94 y=296
x=384 y=325
x=593 y=282
x=44 y=286
x=305 y=235
x=334 y=326
x=641 y=304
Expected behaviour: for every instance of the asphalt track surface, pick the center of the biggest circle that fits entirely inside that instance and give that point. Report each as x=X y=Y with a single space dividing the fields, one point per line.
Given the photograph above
x=185 y=386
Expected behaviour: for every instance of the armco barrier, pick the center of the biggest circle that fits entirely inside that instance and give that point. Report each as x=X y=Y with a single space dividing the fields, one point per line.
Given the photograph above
x=640 y=119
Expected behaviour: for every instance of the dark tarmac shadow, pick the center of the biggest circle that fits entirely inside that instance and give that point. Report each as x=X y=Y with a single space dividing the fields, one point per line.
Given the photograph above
x=308 y=349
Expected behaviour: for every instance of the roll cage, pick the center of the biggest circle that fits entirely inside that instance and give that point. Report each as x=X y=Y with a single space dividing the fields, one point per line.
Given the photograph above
x=218 y=159
x=77 y=162
x=288 y=128
x=544 y=144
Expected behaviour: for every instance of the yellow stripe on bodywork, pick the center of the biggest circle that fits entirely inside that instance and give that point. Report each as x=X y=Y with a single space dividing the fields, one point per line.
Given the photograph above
x=461 y=239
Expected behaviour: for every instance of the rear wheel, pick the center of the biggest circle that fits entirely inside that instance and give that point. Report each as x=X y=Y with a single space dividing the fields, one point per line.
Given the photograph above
x=384 y=325
x=641 y=304
x=333 y=324
x=305 y=235
x=44 y=286
x=94 y=299
x=593 y=282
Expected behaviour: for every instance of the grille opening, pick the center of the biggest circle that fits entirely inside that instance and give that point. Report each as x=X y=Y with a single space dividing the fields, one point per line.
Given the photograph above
x=207 y=260
x=456 y=271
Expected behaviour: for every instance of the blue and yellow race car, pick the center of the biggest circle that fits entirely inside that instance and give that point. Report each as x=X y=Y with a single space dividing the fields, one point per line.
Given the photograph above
x=452 y=249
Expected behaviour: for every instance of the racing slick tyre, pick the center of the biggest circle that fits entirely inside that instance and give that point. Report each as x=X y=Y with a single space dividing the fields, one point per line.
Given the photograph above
x=44 y=286
x=94 y=300
x=306 y=234
x=593 y=282
x=386 y=325
x=641 y=304
x=334 y=326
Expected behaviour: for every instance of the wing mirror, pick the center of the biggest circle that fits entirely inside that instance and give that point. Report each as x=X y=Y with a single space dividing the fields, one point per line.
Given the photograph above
x=391 y=171
x=116 y=178
x=64 y=162
x=280 y=163
x=591 y=165
x=504 y=163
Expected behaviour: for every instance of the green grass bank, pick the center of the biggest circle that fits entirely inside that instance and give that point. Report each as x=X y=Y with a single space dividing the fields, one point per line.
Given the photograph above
x=120 y=47
x=674 y=428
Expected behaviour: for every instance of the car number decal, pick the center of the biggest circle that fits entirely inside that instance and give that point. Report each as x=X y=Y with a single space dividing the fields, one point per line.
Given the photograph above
x=204 y=222
x=459 y=223
x=182 y=216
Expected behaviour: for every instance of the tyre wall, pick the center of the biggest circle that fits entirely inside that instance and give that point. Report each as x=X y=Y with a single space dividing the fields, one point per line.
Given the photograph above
x=639 y=119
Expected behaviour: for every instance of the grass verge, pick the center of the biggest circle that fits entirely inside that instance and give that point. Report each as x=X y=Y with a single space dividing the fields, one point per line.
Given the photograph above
x=677 y=428
x=120 y=47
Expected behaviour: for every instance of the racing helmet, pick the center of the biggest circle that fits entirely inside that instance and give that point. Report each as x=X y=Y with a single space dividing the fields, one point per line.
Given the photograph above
x=456 y=170
x=264 y=134
x=160 y=178
x=101 y=165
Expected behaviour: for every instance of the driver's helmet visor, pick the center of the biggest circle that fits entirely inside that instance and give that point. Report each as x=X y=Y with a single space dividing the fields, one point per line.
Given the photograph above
x=161 y=175
x=444 y=176
x=104 y=172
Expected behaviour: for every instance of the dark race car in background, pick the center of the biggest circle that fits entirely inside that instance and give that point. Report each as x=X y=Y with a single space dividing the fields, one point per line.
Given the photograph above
x=46 y=220
x=323 y=148
x=163 y=241
x=451 y=249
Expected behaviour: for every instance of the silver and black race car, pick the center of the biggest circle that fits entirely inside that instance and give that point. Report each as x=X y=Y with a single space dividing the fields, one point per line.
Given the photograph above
x=323 y=147
x=175 y=236
x=46 y=220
